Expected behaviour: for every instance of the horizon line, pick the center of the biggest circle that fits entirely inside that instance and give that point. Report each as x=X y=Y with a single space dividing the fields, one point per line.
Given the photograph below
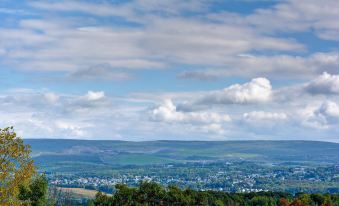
x=169 y=140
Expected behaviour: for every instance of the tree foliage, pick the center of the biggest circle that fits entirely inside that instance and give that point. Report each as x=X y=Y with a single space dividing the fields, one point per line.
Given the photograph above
x=152 y=194
x=16 y=166
x=35 y=193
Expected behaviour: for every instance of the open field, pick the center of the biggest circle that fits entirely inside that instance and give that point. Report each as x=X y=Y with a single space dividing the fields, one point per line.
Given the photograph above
x=79 y=191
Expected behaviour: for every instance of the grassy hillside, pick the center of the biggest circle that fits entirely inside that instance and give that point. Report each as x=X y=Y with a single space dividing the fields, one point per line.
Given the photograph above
x=89 y=152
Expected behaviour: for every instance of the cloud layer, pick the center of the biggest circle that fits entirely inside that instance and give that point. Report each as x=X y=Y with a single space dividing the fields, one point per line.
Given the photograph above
x=237 y=110
x=162 y=36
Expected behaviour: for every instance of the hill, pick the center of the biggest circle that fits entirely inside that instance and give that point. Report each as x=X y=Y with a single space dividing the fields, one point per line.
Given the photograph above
x=233 y=166
x=100 y=152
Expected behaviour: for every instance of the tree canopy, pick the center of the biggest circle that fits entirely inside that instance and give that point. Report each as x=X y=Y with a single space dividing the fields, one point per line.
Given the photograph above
x=16 y=166
x=152 y=194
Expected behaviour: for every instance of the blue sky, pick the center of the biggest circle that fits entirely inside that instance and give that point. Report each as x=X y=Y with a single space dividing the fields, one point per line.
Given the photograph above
x=184 y=70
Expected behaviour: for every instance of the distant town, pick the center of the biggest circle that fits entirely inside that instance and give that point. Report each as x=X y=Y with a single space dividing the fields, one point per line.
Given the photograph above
x=221 y=176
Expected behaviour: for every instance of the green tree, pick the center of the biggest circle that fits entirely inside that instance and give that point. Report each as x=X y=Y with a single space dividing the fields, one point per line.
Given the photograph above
x=35 y=194
x=318 y=199
x=150 y=193
x=102 y=200
x=124 y=196
x=174 y=196
x=305 y=199
x=16 y=166
x=262 y=201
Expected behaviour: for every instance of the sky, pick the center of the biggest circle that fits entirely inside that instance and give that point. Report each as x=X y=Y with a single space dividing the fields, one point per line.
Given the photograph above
x=171 y=69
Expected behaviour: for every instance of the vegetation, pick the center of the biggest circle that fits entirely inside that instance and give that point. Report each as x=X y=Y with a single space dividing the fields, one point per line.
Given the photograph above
x=49 y=153
x=237 y=176
x=231 y=166
x=16 y=167
x=152 y=194
x=34 y=193
x=19 y=183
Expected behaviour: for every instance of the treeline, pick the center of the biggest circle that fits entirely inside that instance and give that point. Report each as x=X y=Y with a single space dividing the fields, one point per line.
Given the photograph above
x=153 y=194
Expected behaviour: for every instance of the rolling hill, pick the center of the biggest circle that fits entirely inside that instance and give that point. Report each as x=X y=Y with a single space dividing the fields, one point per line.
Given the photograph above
x=49 y=153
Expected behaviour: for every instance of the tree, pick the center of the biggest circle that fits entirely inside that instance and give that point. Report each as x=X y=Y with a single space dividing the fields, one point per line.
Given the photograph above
x=150 y=193
x=297 y=202
x=318 y=198
x=16 y=166
x=124 y=195
x=153 y=194
x=283 y=202
x=35 y=194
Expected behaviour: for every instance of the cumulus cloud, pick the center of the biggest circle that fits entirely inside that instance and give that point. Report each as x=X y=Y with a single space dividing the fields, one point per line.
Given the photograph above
x=262 y=122
x=168 y=112
x=39 y=114
x=258 y=90
x=329 y=110
x=94 y=96
x=71 y=128
x=324 y=84
x=95 y=115
x=321 y=116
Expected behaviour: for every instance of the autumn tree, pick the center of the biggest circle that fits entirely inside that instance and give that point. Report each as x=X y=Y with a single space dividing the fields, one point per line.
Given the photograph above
x=16 y=166
x=283 y=202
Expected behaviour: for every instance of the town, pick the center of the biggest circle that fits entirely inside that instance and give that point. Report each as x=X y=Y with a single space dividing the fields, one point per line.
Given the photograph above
x=228 y=177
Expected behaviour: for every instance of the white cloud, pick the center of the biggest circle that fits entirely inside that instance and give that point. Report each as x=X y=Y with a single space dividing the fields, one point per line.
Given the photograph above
x=96 y=115
x=258 y=90
x=95 y=9
x=324 y=84
x=73 y=45
x=328 y=109
x=207 y=43
x=264 y=116
x=216 y=41
x=51 y=97
x=39 y=114
x=94 y=96
x=168 y=112
x=215 y=129
x=321 y=116
x=298 y=16
x=72 y=129
x=277 y=66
